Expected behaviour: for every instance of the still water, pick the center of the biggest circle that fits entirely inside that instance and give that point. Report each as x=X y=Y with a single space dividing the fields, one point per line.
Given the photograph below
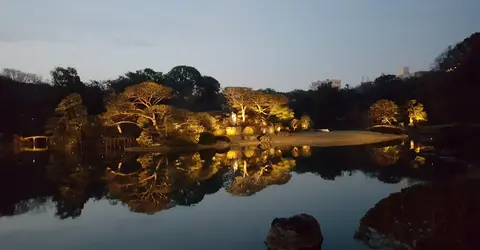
x=227 y=200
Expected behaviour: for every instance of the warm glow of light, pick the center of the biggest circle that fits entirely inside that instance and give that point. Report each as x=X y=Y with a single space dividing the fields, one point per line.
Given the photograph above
x=234 y=118
x=235 y=165
x=233 y=154
x=245 y=173
x=231 y=130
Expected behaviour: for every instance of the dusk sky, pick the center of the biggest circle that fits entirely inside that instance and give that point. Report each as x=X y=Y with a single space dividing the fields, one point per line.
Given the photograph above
x=281 y=44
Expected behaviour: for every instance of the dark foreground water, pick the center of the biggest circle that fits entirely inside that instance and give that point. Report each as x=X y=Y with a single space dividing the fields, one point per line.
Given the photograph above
x=212 y=200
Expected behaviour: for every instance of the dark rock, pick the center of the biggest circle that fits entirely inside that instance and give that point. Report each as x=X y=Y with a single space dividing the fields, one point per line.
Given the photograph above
x=300 y=232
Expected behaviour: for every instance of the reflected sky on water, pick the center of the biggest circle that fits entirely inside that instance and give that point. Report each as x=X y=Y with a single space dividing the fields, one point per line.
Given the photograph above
x=84 y=208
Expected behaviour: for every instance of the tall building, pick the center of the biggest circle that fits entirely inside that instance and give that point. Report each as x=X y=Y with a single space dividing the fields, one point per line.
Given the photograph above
x=334 y=83
x=403 y=72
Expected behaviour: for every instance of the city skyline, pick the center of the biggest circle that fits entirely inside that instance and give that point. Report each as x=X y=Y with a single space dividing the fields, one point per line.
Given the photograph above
x=270 y=44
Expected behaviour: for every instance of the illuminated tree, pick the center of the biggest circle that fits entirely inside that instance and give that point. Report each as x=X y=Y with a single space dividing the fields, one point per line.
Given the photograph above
x=190 y=125
x=305 y=122
x=239 y=98
x=271 y=107
x=70 y=117
x=140 y=105
x=145 y=139
x=416 y=113
x=383 y=112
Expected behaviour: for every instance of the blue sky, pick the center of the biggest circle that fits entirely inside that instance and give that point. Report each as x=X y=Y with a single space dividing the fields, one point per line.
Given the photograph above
x=282 y=44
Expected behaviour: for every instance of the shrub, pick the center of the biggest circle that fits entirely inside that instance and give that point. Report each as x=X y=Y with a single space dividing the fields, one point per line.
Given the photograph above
x=219 y=132
x=145 y=139
x=231 y=131
x=305 y=122
x=207 y=138
x=248 y=131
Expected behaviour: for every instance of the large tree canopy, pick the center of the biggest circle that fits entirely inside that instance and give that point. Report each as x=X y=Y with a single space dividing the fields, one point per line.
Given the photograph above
x=132 y=78
x=239 y=98
x=192 y=90
x=140 y=105
x=383 y=112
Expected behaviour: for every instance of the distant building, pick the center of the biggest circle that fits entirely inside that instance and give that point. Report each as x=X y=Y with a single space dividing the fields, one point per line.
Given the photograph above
x=420 y=73
x=403 y=72
x=334 y=83
x=364 y=84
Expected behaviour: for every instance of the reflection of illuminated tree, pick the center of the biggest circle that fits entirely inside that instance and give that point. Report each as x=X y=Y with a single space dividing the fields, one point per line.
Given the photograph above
x=386 y=156
x=306 y=151
x=432 y=216
x=144 y=190
x=76 y=184
x=257 y=175
x=160 y=182
x=295 y=152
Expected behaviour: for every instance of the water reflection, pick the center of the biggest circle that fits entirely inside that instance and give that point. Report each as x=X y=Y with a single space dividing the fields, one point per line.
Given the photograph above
x=153 y=182
x=159 y=182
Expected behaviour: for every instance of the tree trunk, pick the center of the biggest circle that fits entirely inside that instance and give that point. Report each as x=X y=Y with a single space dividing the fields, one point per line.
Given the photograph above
x=243 y=113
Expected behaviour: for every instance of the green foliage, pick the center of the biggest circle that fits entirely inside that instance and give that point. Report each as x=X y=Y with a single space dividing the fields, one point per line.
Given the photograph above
x=133 y=78
x=207 y=138
x=66 y=78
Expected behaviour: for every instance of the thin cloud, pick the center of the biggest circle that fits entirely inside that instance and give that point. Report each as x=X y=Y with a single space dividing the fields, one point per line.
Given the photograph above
x=19 y=37
x=128 y=42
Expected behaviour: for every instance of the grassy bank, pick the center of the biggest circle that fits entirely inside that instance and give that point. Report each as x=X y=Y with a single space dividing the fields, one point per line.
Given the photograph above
x=318 y=139
x=328 y=139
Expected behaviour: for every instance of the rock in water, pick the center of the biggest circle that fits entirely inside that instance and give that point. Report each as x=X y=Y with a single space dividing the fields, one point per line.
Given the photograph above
x=300 y=232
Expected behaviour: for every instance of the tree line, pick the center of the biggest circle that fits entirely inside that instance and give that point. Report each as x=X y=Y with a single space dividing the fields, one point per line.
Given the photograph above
x=447 y=93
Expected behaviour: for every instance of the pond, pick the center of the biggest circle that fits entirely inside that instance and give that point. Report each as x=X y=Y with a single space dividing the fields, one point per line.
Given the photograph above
x=227 y=200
